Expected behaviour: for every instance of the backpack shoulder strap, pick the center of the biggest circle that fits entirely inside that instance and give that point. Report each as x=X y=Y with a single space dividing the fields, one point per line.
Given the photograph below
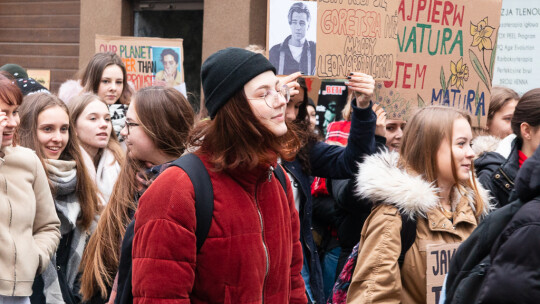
x=204 y=194
x=280 y=175
x=408 y=236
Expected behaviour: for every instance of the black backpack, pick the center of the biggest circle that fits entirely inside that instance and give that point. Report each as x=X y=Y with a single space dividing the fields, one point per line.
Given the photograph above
x=472 y=260
x=204 y=209
x=341 y=287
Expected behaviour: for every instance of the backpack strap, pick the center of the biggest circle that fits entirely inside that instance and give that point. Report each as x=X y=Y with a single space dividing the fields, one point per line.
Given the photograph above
x=204 y=194
x=408 y=236
x=280 y=175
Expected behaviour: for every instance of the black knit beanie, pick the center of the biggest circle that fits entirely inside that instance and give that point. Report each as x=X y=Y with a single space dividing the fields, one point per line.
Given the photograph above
x=227 y=71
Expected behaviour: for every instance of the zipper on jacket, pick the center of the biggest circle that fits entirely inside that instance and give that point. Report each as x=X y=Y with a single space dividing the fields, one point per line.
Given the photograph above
x=506 y=176
x=270 y=172
x=263 y=242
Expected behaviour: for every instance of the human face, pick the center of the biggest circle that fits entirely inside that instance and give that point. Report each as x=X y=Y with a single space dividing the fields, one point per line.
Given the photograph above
x=111 y=84
x=294 y=105
x=139 y=145
x=499 y=125
x=273 y=118
x=53 y=131
x=394 y=133
x=12 y=122
x=93 y=127
x=460 y=149
x=169 y=64
x=299 y=25
x=312 y=115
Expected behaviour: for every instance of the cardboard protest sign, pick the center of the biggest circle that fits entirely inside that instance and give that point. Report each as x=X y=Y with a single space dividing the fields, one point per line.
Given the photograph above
x=41 y=76
x=446 y=54
x=518 y=43
x=331 y=101
x=438 y=263
x=148 y=61
x=292 y=36
x=358 y=35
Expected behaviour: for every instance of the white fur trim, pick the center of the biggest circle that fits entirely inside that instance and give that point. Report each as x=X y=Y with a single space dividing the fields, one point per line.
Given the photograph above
x=382 y=181
x=486 y=143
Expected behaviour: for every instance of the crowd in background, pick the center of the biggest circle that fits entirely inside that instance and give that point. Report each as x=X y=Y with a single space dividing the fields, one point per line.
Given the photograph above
x=97 y=207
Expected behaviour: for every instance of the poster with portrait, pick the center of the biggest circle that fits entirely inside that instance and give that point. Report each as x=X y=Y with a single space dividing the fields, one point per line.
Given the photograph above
x=332 y=99
x=292 y=36
x=446 y=55
x=148 y=61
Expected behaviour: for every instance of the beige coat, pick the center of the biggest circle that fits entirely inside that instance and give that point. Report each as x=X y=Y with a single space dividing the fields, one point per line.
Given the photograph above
x=377 y=277
x=29 y=226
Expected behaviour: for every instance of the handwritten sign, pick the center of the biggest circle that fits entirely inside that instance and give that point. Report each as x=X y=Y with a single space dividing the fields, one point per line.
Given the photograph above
x=438 y=263
x=356 y=35
x=446 y=54
x=148 y=61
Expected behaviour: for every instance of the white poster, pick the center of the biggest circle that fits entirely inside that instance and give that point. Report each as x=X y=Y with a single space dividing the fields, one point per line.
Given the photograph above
x=517 y=64
x=292 y=36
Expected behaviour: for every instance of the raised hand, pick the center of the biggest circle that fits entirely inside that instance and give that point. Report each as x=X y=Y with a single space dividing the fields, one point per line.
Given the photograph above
x=362 y=85
x=380 y=128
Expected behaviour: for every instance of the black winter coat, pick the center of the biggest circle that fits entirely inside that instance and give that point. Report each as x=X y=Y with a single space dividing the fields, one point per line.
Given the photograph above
x=330 y=161
x=514 y=275
x=497 y=173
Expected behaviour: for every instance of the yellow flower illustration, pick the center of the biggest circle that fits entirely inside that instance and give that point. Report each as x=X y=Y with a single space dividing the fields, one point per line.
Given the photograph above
x=481 y=35
x=460 y=73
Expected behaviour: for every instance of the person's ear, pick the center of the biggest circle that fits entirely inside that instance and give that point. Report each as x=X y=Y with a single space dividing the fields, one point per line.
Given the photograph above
x=525 y=130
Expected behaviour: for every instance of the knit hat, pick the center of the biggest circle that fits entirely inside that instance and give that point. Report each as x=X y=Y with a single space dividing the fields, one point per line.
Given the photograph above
x=30 y=86
x=14 y=69
x=227 y=71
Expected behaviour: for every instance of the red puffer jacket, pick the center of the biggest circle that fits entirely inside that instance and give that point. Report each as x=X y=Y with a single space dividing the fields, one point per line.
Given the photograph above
x=252 y=253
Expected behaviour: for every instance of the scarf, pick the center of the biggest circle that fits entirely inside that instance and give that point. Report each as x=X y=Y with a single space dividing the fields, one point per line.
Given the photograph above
x=63 y=178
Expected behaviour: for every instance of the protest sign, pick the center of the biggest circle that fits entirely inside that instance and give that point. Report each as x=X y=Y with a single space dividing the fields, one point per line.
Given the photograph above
x=292 y=36
x=148 y=61
x=41 y=76
x=356 y=36
x=331 y=101
x=516 y=64
x=446 y=54
x=438 y=262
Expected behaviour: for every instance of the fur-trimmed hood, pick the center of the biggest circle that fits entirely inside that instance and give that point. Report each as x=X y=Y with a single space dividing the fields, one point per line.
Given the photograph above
x=485 y=143
x=380 y=180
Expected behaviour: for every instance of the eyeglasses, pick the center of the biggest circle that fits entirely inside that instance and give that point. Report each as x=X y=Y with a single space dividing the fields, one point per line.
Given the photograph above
x=131 y=125
x=271 y=98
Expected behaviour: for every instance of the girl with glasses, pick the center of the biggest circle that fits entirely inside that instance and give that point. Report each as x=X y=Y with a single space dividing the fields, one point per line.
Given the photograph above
x=157 y=126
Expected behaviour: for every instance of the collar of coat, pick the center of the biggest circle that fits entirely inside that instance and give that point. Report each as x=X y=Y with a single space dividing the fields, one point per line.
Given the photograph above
x=383 y=182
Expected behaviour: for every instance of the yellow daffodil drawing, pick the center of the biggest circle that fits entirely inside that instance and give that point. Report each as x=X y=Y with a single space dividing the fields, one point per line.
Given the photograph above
x=460 y=73
x=482 y=35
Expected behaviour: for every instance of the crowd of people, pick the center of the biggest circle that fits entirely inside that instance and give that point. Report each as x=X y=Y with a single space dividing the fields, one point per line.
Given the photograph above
x=112 y=195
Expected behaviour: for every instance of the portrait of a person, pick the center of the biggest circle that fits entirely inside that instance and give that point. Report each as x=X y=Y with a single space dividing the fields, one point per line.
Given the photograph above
x=296 y=53
x=169 y=76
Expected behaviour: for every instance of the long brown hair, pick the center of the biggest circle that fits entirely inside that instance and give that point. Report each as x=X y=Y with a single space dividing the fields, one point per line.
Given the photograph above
x=166 y=117
x=77 y=105
x=236 y=138
x=422 y=138
x=91 y=77
x=34 y=105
